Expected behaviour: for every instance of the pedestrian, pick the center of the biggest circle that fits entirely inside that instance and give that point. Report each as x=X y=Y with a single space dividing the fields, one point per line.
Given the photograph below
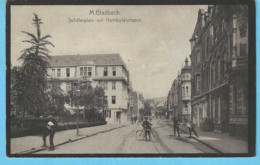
x=135 y=118
x=132 y=119
x=49 y=130
x=191 y=127
x=176 y=124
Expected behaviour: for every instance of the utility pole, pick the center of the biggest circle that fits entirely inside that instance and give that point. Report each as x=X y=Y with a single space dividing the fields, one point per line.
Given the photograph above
x=77 y=91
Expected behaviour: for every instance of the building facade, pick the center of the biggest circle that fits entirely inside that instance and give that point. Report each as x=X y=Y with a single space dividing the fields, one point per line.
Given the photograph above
x=219 y=52
x=108 y=70
x=179 y=96
x=137 y=103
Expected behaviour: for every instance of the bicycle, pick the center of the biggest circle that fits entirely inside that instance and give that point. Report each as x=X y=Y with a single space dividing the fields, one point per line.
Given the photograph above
x=142 y=134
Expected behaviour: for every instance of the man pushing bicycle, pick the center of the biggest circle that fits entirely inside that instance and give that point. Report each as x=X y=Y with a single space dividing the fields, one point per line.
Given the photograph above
x=147 y=127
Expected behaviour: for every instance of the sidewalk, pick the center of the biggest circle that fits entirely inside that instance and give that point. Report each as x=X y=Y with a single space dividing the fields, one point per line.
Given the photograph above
x=220 y=141
x=30 y=143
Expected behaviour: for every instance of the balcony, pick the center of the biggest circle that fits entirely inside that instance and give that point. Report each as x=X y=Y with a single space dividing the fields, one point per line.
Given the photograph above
x=185 y=99
x=110 y=79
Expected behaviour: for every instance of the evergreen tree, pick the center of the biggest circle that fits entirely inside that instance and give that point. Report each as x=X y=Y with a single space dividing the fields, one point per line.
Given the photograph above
x=32 y=84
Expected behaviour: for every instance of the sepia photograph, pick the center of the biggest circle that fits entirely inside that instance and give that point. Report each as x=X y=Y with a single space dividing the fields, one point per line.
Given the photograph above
x=130 y=80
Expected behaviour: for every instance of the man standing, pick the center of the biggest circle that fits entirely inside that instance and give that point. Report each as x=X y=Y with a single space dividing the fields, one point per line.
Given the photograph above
x=49 y=129
x=191 y=127
x=176 y=125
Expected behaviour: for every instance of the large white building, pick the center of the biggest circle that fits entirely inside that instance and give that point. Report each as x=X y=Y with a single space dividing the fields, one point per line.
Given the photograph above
x=107 y=69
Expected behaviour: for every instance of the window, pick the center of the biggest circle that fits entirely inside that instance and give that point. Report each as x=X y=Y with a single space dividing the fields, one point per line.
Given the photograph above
x=183 y=91
x=219 y=103
x=219 y=69
x=243 y=28
x=53 y=72
x=105 y=71
x=89 y=71
x=68 y=72
x=105 y=85
x=113 y=99
x=207 y=47
x=105 y=99
x=234 y=99
x=198 y=82
x=58 y=73
x=108 y=113
x=243 y=50
x=85 y=71
x=186 y=107
x=81 y=71
x=222 y=26
x=114 y=71
x=213 y=109
x=187 y=91
x=213 y=73
x=113 y=85
x=187 y=77
x=68 y=87
x=198 y=57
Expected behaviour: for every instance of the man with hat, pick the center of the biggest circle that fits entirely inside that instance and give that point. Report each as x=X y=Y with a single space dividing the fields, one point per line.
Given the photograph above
x=49 y=129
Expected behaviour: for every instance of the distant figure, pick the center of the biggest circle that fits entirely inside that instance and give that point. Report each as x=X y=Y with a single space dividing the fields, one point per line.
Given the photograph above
x=132 y=120
x=176 y=125
x=191 y=127
x=49 y=129
x=135 y=118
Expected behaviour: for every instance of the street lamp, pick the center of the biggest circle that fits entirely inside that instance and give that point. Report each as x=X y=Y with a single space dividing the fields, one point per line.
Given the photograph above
x=104 y=107
x=77 y=91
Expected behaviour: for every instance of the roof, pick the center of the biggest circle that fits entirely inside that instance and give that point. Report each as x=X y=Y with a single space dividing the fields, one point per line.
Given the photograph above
x=187 y=67
x=78 y=60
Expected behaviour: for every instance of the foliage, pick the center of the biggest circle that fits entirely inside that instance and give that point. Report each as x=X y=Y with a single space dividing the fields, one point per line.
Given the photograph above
x=83 y=94
x=30 y=83
x=55 y=99
x=99 y=100
x=15 y=90
x=147 y=109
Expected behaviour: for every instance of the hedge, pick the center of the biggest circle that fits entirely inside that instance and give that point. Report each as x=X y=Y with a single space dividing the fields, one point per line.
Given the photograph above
x=36 y=127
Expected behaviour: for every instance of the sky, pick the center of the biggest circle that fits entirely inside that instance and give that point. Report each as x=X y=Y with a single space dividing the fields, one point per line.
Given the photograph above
x=153 y=49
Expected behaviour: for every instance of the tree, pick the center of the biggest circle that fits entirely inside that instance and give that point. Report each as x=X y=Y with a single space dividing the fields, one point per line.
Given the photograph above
x=15 y=75
x=99 y=98
x=31 y=85
x=55 y=99
x=147 y=109
x=83 y=94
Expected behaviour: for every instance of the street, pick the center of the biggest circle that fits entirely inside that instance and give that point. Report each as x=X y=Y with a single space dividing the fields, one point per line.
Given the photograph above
x=123 y=141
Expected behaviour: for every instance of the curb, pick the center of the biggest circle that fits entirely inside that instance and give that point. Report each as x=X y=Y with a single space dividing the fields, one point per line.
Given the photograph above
x=33 y=150
x=206 y=144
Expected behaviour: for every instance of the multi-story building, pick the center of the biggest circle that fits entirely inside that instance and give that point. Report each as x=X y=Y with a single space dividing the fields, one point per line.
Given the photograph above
x=138 y=104
x=219 y=52
x=185 y=86
x=179 y=95
x=109 y=70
